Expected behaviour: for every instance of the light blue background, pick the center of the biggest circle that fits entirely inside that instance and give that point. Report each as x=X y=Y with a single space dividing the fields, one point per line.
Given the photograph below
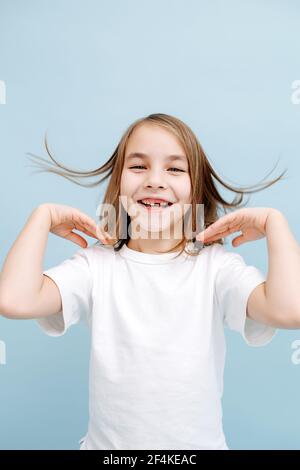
x=83 y=71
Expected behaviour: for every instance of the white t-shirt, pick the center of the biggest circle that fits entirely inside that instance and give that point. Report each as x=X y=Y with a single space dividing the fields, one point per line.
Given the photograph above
x=157 y=341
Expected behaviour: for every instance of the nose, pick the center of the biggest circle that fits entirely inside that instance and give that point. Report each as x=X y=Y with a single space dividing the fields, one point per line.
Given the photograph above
x=155 y=179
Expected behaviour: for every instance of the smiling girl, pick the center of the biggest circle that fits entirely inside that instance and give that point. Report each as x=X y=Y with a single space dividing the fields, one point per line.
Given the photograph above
x=156 y=299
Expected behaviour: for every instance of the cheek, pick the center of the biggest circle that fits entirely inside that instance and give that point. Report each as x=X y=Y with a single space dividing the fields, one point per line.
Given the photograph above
x=128 y=183
x=125 y=183
x=122 y=181
x=185 y=190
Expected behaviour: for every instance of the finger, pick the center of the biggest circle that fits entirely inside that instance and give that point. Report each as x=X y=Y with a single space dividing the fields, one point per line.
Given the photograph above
x=94 y=228
x=238 y=241
x=85 y=230
x=215 y=232
x=208 y=237
x=104 y=235
x=223 y=224
x=91 y=230
x=213 y=239
x=75 y=238
x=99 y=232
x=88 y=223
x=243 y=238
x=208 y=232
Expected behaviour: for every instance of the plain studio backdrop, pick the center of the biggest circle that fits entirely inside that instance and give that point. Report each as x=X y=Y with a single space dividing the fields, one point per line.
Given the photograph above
x=83 y=71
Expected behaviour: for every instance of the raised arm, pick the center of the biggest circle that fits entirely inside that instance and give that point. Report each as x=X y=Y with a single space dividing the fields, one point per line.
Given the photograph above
x=25 y=292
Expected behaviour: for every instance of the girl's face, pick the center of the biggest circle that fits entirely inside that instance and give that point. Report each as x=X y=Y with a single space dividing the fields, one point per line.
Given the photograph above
x=155 y=167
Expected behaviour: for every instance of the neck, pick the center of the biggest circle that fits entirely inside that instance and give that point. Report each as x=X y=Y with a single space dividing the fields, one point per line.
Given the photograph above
x=154 y=246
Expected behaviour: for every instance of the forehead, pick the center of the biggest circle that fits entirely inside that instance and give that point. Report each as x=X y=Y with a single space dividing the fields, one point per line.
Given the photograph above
x=151 y=139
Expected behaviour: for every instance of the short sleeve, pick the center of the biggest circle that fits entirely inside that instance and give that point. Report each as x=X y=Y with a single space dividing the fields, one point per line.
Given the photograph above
x=73 y=277
x=234 y=282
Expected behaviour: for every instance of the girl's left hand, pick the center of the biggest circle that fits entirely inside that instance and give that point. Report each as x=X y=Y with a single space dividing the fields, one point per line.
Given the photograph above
x=250 y=221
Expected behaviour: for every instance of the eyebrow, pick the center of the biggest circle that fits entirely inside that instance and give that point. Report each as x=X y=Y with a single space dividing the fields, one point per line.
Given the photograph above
x=144 y=155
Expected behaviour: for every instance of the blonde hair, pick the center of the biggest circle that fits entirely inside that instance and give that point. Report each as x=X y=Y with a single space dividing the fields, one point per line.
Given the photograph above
x=202 y=175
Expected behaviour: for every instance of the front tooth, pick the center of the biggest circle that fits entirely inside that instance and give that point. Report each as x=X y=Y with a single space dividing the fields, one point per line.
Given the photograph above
x=156 y=204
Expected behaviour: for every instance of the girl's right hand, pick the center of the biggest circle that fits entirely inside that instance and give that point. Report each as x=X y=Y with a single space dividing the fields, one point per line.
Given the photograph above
x=64 y=219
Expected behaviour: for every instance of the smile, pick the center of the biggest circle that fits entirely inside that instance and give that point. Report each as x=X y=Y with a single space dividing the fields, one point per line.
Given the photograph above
x=155 y=207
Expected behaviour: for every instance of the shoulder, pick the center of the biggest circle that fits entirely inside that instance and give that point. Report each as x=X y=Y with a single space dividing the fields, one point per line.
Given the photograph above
x=219 y=256
x=94 y=259
x=216 y=253
x=97 y=251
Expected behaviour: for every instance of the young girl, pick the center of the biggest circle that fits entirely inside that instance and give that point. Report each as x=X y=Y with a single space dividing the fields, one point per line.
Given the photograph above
x=155 y=297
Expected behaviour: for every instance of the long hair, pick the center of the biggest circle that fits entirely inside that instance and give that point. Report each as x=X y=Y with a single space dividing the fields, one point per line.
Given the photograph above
x=202 y=176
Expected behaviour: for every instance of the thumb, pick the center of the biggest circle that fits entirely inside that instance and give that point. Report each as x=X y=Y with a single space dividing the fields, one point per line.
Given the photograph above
x=238 y=240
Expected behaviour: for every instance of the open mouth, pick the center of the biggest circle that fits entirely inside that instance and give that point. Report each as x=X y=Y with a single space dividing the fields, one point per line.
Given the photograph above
x=155 y=205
